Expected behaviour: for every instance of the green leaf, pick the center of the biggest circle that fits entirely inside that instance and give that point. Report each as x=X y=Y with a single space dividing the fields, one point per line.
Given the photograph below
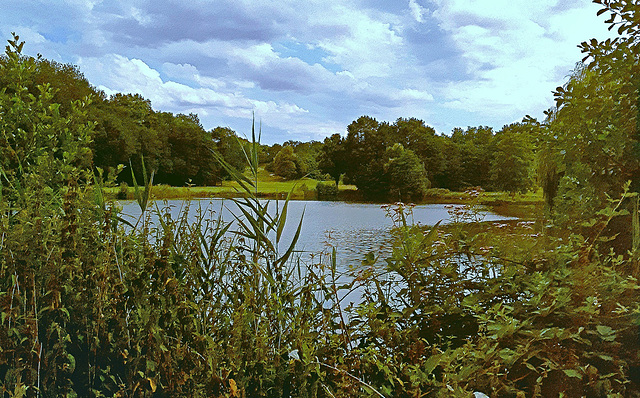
x=72 y=363
x=606 y=333
x=369 y=259
x=283 y=217
x=572 y=373
x=294 y=241
x=431 y=363
x=604 y=330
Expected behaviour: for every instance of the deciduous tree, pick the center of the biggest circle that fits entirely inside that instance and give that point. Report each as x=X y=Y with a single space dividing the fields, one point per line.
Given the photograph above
x=406 y=174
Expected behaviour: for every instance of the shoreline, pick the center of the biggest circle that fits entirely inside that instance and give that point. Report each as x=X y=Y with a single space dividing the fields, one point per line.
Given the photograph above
x=523 y=206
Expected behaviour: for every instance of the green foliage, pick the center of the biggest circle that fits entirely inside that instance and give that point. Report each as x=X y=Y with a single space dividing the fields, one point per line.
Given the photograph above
x=38 y=145
x=413 y=134
x=288 y=165
x=472 y=157
x=590 y=140
x=365 y=147
x=591 y=147
x=451 y=314
x=230 y=147
x=326 y=191
x=513 y=159
x=407 y=175
x=332 y=158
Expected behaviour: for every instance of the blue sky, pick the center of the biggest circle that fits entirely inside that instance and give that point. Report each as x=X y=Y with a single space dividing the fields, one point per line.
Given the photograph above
x=307 y=69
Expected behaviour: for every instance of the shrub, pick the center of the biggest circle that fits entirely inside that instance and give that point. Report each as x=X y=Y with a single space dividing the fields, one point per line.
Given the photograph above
x=123 y=191
x=326 y=191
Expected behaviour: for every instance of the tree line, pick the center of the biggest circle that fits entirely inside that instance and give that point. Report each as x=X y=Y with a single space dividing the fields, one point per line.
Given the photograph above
x=384 y=160
x=403 y=159
x=125 y=130
x=586 y=146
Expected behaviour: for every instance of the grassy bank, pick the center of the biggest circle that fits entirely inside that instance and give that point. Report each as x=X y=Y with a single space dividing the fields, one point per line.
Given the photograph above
x=269 y=186
x=272 y=186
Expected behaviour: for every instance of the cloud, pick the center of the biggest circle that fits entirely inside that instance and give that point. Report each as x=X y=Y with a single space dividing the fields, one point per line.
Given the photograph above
x=414 y=95
x=417 y=11
x=515 y=53
x=318 y=66
x=123 y=75
x=371 y=49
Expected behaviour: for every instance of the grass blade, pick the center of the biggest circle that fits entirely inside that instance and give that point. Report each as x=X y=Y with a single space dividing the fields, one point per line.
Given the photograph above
x=293 y=243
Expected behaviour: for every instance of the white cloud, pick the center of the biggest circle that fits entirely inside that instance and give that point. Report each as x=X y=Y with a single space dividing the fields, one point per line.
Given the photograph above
x=371 y=49
x=417 y=11
x=515 y=52
x=120 y=74
x=414 y=95
x=257 y=55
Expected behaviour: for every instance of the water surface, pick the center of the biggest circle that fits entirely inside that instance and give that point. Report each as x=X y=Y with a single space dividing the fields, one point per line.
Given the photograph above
x=354 y=229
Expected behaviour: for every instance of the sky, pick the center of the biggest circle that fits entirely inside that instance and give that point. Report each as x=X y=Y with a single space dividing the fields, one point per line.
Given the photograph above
x=306 y=69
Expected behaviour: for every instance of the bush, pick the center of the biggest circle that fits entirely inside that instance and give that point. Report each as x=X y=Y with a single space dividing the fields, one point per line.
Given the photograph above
x=477 y=312
x=123 y=191
x=326 y=191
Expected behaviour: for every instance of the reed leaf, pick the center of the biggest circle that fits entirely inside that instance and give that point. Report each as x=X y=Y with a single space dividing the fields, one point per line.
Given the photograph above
x=283 y=216
x=142 y=197
x=245 y=183
x=282 y=260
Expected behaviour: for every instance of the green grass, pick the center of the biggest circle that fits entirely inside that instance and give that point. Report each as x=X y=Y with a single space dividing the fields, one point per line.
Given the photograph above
x=439 y=195
x=269 y=186
x=272 y=186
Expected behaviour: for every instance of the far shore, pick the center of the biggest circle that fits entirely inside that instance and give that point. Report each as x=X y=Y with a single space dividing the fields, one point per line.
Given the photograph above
x=504 y=203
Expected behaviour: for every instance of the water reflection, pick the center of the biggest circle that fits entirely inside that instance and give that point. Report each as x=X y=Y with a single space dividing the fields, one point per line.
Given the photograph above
x=354 y=229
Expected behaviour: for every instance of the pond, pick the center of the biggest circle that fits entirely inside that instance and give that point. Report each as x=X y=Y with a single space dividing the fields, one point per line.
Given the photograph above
x=354 y=229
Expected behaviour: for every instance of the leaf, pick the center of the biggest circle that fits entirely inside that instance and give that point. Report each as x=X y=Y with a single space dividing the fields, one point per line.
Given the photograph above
x=369 y=259
x=153 y=384
x=72 y=363
x=287 y=254
x=604 y=330
x=572 y=373
x=233 y=388
x=429 y=237
x=142 y=198
x=432 y=362
x=238 y=177
x=606 y=333
x=283 y=217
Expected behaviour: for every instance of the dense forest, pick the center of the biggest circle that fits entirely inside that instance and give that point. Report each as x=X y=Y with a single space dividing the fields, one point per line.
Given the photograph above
x=92 y=305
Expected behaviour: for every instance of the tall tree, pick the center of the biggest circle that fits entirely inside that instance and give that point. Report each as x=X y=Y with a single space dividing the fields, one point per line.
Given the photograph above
x=287 y=164
x=333 y=158
x=512 y=164
x=413 y=134
x=230 y=147
x=366 y=144
x=451 y=174
x=591 y=146
x=476 y=151
x=406 y=174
